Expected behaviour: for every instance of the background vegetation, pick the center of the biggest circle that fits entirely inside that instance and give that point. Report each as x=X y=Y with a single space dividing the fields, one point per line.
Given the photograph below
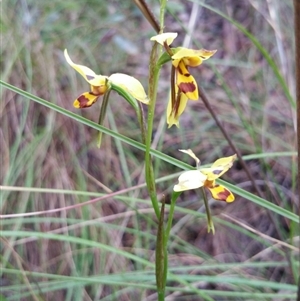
x=105 y=250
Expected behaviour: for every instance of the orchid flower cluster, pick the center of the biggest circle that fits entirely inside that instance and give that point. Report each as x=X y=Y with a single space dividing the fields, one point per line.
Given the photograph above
x=100 y=84
x=206 y=177
x=183 y=88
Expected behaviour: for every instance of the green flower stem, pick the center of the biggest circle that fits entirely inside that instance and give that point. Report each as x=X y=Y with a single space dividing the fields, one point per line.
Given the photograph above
x=141 y=118
x=102 y=116
x=210 y=224
x=163 y=4
x=174 y=198
x=149 y=174
x=161 y=265
x=160 y=256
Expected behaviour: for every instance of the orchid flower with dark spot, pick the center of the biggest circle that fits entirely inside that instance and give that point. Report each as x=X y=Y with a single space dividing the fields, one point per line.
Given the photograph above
x=100 y=84
x=206 y=177
x=185 y=86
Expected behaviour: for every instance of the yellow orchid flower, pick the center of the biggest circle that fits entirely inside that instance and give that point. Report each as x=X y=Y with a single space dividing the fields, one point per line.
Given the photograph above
x=182 y=58
x=100 y=84
x=186 y=83
x=206 y=177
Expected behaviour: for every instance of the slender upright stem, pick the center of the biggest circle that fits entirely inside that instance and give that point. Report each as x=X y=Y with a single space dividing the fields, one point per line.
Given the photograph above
x=153 y=82
x=141 y=118
x=161 y=265
x=209 y=220
x=163 y=4
x=142 y=5
x=174 y=197
x=102 y=116
x=160 y=255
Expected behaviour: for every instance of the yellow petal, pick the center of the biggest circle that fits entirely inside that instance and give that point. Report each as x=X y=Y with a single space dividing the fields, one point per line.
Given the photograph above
x=221 y=193
x=192 y=61
x=174 y=112
x=191 y=153
x=198 y=55
x=225 y=162
x=131 y=85
x=219 y=167
x=204 y=54
x=167 y=37
x=88 y=74
x=191 y=179
x=186 y=82
x=85 y=100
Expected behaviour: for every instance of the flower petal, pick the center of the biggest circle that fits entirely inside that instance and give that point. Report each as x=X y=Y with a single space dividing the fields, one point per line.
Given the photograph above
x=186 y=82
x=221 y=193
x=191 y=154
x=191 y=179
x=86 y=72
x=201 y=54
x=174 y=112
x=219 y=167
x=167 y=37
x=131 y=85
x=85 y=100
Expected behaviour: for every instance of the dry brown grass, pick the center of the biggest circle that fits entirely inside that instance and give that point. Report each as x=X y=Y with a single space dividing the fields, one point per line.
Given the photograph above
x=43 y=149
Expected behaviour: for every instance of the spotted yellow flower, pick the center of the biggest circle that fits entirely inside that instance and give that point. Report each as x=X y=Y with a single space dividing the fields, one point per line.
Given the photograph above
x=185 y=84
x=206 y=177
x=100 y=84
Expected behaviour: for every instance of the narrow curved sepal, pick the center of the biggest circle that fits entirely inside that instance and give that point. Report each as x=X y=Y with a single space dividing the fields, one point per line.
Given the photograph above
x=191 y=154
x=219 y=167
x=88 y=74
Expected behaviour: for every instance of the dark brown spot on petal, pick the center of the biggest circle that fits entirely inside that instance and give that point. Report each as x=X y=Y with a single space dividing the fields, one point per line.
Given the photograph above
x=181 y=72
x=187 y=87
x=84 y=102
x=223 y=195
x=89 y=77
x=217 y=171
